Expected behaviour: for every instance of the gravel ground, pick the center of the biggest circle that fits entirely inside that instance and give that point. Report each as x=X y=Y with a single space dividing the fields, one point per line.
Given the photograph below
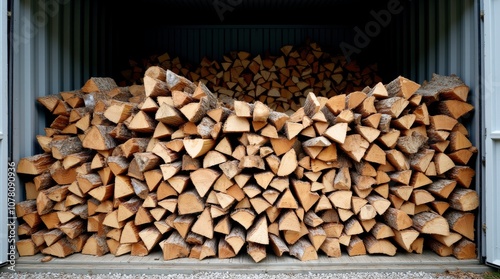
x=220 y=275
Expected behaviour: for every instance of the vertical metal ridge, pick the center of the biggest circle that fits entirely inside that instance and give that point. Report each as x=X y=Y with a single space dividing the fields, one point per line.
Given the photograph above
x=422 y=41
x=66 y=54
x=56 y=50
x=435 y=37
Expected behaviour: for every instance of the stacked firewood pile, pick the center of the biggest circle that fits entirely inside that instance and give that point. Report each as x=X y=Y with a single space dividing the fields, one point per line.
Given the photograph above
x=167 y=165
x=281 y=82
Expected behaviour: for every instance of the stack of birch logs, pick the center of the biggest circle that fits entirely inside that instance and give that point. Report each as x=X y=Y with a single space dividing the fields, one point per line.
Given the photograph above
x=129 y=169
x=281 y=82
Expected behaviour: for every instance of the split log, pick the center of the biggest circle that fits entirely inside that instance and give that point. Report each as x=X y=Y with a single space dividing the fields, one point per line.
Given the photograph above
x=461 y=222
x=175 y=247
x=303 y=250
x=36 y=164
x=465 y=249
x=98 y=138
x=379 y=246
x=406 y=238
x=397 y=219
x=430 y=223
x=356 y=247
x=236 y=238
x=464 y=199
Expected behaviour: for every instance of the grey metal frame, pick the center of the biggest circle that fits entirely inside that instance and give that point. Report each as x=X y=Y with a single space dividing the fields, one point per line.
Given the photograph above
x=4 y=116
x=491 y=96
x=443 y=37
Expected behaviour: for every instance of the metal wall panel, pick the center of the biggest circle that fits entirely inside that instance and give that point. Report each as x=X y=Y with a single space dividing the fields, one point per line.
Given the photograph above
x=434 y=37
x=192 y=43
x=57 y=45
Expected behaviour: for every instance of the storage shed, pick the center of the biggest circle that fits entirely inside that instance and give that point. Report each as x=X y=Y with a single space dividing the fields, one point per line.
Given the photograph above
x=57 y=45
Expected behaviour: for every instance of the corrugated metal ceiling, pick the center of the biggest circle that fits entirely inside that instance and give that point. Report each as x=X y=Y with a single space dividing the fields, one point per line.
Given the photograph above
x=257 y=4
x=247 y=11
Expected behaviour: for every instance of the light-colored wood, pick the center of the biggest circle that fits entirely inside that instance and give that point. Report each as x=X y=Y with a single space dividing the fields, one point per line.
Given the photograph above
x=393 y=106
x=419 y=179
x=303 y=250
x=204 y=224
x=430 y=223
x=203 y=179
x=353 y=227
x=174 y=247
x=439 y=248
x=464 y=199
x=258 y=232
x=379 y=246
x=190 y=202
x=448 y=240
x=303 y=191
x=224 y=250
x=36 y=164
x=98 y=138
x=208 y=249
x=443 y=163
x=98 y=84
x=260 y=112
x=355 y=146
x=341 y=199
x=465 y=249
x=61 y=248
x=256 y=251
x=333 y=229
x=442 y=188
x=461 y=222
x=244 y=217
x=289 y=221
x=397 y=219
x=278 y=245
x=198 y=147
x=230 y=168
x=402 y=87
x=356 y=247
x=462 y=174
x=370 y=134
x=236 y=238
x=292 y=129
x=195 y=111
x=128 y=209
x=455 y=108
x=235 y=124
x=381 y=231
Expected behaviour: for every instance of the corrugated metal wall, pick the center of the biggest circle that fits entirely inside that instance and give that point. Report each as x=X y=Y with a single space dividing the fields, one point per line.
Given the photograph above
x=435 y=37
x=192 y=43
x=56 y=46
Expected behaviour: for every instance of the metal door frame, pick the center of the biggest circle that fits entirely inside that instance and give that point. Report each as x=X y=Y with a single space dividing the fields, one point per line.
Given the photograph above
x=4 y=116
x=491 y=101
